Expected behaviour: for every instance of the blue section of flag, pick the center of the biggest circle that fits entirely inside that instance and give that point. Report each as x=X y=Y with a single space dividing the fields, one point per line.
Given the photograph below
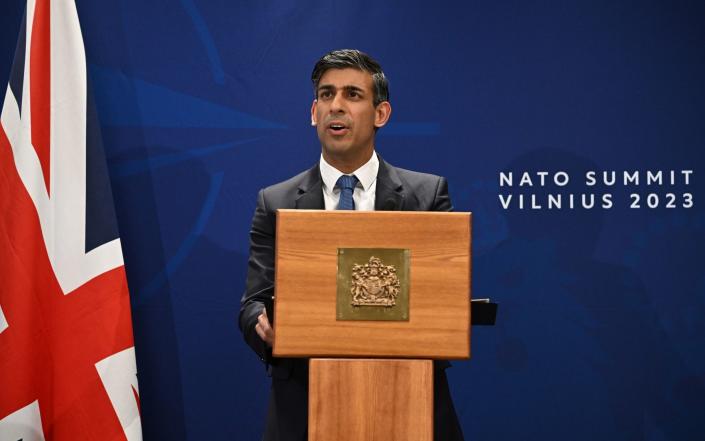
x=101 y=223
x=17 y=73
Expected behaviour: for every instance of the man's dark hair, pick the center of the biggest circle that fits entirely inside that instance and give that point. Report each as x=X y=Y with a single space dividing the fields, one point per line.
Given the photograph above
x=352 y=58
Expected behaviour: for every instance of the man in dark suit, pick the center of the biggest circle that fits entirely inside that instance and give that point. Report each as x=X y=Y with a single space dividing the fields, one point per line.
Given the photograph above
x=351 y=103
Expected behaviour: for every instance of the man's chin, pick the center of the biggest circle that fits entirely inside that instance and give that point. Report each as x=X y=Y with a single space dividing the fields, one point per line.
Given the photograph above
x=336 y=147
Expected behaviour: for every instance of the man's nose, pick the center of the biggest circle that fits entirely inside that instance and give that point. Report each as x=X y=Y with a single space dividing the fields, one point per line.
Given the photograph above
x=338 y=104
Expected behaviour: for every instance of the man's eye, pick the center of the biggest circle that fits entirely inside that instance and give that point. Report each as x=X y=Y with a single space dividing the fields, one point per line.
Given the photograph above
x=324 y=94
x=353 y=94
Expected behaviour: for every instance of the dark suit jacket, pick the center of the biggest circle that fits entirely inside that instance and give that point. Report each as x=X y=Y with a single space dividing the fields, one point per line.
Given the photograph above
x=397 y=189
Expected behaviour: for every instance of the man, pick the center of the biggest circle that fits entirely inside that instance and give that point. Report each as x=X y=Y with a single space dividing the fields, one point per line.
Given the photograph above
x=351 y=103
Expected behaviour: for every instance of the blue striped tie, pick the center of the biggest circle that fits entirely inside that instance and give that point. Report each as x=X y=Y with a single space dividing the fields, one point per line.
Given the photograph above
x=347 y=185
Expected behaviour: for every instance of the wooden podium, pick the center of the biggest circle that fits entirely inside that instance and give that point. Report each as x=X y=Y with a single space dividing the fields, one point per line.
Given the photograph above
x=371 y=379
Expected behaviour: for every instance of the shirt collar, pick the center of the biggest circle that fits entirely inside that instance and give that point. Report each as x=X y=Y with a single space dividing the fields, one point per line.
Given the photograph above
x=367 y=174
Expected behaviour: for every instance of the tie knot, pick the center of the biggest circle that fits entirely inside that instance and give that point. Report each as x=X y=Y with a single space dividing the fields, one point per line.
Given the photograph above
x=347 y=182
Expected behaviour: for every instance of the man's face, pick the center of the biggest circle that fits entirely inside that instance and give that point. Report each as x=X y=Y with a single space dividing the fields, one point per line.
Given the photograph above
x=345 y=116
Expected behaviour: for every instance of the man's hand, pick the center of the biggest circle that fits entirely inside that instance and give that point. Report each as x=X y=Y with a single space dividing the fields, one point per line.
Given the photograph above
x=264 y=329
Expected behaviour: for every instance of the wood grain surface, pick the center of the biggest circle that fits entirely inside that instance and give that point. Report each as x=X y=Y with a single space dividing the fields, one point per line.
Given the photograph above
x=306 y=276
x=369 y=400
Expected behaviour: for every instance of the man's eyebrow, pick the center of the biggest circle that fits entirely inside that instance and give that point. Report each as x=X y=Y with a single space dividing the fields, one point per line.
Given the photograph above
x=353 y=88
x=347 y=88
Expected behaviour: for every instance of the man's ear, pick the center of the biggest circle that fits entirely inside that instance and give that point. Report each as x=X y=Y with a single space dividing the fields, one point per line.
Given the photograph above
x=313 y=113
x=382 y=113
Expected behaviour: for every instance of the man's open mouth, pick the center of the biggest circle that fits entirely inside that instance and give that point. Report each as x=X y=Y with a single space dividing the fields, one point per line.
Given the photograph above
x=337 y=128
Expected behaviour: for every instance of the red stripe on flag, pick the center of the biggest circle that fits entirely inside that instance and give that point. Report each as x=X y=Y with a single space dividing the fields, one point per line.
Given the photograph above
x=53 y=341
x=137 y=400
x=40 y=85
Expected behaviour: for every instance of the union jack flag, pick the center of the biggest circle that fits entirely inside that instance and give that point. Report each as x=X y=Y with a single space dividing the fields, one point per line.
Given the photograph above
x=67 y=358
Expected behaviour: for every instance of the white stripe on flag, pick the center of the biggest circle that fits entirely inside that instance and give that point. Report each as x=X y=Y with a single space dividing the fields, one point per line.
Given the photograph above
x=24 y=424
x=62 y=214
x=119 y=376
x=3 y=321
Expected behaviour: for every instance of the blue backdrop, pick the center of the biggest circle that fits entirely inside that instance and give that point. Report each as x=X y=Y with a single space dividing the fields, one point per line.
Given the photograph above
x=602 y=320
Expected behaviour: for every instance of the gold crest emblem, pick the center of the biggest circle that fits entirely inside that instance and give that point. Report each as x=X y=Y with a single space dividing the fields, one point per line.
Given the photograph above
x=374 y=284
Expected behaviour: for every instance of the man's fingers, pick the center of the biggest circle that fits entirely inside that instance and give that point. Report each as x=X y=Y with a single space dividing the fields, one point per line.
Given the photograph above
x=264 y=329
x=263 y=321
x=260 y=332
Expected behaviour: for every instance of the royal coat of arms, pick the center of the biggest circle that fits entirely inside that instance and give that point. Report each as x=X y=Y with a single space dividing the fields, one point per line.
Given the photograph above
x=374 y=284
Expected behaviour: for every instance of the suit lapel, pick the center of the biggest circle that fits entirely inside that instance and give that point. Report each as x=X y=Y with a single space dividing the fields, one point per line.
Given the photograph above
x=389 y=195
x=310 y=191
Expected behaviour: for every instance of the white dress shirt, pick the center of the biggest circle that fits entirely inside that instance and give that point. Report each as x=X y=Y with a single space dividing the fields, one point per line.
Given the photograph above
x=364 y=194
